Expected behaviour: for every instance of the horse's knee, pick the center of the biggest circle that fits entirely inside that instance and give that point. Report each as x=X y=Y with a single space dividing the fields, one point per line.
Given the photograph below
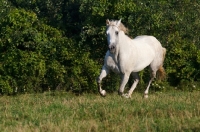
x=98 y=80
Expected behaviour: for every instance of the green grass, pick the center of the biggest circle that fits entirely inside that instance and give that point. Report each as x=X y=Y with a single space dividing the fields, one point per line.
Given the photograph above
x=170 y=111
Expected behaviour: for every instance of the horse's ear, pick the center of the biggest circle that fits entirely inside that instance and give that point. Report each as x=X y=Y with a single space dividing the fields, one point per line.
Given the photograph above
x=107 y=22
x=119 y=22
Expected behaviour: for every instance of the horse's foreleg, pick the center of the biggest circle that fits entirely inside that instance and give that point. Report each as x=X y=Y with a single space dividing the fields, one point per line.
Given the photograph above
x=124 y=80
x=136 y=80
x=104 y=73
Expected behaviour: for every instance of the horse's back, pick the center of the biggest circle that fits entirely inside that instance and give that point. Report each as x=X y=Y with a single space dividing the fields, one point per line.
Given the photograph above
x=147 y=39
x=151 y=41
x=148 y=50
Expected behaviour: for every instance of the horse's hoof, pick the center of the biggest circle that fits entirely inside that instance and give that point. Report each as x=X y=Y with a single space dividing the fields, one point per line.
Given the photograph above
x=126 y=96
x=120 y=93
x=145 y=96
x=103 y=93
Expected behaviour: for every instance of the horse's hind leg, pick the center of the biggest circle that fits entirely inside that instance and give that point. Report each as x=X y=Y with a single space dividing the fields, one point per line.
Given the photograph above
x=136 y=80
x=104 y=72
x=153 y=75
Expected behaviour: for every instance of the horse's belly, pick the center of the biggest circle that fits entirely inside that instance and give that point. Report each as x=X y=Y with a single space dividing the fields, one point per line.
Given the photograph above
x=144 y=58
x=141 y=64
x=139 y=68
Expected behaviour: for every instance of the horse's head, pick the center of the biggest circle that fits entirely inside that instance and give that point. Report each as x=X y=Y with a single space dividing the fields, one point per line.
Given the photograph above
x=112 y=34
x=113 y=29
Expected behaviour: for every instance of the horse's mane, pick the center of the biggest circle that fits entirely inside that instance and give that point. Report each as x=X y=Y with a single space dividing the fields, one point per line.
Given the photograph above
x=121 y=26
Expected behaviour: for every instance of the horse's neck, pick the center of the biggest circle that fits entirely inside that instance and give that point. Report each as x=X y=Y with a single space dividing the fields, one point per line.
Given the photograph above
x=124 y=43
x=122 y=46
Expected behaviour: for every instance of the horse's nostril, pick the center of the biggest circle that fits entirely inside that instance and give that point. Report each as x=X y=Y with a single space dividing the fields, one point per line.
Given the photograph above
x=111 y=47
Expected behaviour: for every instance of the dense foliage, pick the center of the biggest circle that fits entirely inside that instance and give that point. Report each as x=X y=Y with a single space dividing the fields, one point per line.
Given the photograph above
x=60 y=44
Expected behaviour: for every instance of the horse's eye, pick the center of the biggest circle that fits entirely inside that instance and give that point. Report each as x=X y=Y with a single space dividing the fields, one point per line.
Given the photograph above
x=116 y=32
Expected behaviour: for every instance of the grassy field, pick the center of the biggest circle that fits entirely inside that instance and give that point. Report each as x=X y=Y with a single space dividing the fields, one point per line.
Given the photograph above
x=65 y=112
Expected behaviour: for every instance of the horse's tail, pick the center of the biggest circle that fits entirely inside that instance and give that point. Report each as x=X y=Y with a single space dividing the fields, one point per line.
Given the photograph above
x=161 y=74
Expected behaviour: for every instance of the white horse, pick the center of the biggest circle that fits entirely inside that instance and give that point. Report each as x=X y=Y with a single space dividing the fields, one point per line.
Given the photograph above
x=126 y=56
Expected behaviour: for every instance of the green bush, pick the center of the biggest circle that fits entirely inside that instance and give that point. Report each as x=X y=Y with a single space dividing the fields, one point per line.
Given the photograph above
x=36 y=57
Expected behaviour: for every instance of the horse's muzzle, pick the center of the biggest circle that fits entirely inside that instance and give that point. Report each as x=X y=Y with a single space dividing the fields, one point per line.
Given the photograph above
x=111 y=48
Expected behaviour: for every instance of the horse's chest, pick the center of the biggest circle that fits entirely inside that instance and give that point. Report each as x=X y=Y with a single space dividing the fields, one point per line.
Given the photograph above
x=112 y=64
